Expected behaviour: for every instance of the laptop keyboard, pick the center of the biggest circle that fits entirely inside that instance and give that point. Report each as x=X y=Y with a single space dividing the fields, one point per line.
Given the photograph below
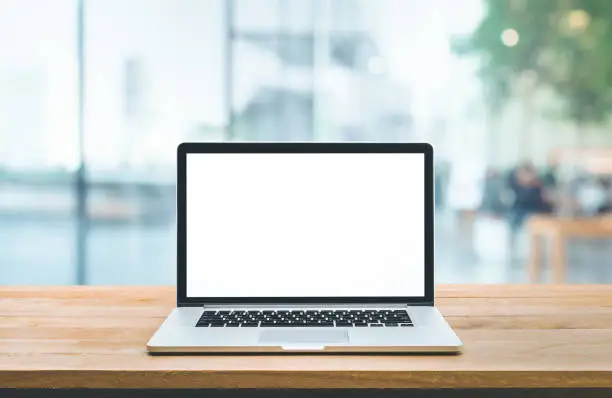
x=314 y=318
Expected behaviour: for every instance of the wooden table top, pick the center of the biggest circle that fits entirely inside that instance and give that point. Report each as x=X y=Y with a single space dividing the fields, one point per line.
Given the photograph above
x=515 y=336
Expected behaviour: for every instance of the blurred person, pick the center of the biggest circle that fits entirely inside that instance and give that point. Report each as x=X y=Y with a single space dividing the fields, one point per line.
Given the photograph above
x=606 y=183
x=549 y=177
x=528 y=198
x=550 y=183
x=591 y=196
x=493 y=190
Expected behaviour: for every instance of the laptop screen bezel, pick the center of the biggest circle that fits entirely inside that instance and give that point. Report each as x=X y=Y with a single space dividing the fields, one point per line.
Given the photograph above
x=234 y=147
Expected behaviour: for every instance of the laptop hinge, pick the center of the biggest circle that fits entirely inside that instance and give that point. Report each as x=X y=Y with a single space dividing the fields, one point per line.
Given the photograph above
x=314 y=305
x=183 y=304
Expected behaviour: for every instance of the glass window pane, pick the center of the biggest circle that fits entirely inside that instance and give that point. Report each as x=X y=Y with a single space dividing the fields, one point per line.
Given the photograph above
x=38 y=141
x=517 y=134
x=155 y=77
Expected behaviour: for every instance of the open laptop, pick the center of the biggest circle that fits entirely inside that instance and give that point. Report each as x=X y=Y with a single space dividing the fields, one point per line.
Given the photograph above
x=305 y=247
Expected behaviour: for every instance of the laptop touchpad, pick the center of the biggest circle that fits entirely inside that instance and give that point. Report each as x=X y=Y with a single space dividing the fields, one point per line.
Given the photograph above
x=318 y=337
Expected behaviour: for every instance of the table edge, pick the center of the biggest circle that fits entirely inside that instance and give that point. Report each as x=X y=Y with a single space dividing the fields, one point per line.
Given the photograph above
x=291 y=379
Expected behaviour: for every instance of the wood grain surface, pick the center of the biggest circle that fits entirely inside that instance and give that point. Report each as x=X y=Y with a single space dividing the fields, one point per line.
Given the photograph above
x=519 y=336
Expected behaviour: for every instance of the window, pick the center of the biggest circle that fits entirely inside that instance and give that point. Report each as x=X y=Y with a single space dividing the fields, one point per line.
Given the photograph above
x=38 y=141
x=96 y=94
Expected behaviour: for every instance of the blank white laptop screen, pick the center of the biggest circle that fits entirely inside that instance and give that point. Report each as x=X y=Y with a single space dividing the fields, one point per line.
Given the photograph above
x=305 y=225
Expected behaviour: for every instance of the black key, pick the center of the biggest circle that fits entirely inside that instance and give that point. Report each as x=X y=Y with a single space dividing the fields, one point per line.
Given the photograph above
x=311 y=318
x=317 y=322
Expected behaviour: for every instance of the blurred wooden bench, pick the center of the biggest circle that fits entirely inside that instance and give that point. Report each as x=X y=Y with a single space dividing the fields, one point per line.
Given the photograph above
x=557 y=230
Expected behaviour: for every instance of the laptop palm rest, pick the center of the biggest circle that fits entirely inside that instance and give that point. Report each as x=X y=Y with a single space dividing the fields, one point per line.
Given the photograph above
x=303 y=339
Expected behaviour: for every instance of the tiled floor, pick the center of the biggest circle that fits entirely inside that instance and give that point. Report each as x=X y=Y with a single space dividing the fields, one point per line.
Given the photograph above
x=43 y=253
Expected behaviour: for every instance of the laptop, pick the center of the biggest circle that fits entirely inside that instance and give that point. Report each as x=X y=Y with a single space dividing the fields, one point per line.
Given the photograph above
x=305 y=247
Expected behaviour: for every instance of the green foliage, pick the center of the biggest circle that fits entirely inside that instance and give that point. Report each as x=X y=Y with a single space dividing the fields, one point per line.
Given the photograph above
x=566 y=44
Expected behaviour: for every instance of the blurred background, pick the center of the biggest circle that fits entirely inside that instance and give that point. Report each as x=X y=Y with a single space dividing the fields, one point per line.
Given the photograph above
x=514 y=94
